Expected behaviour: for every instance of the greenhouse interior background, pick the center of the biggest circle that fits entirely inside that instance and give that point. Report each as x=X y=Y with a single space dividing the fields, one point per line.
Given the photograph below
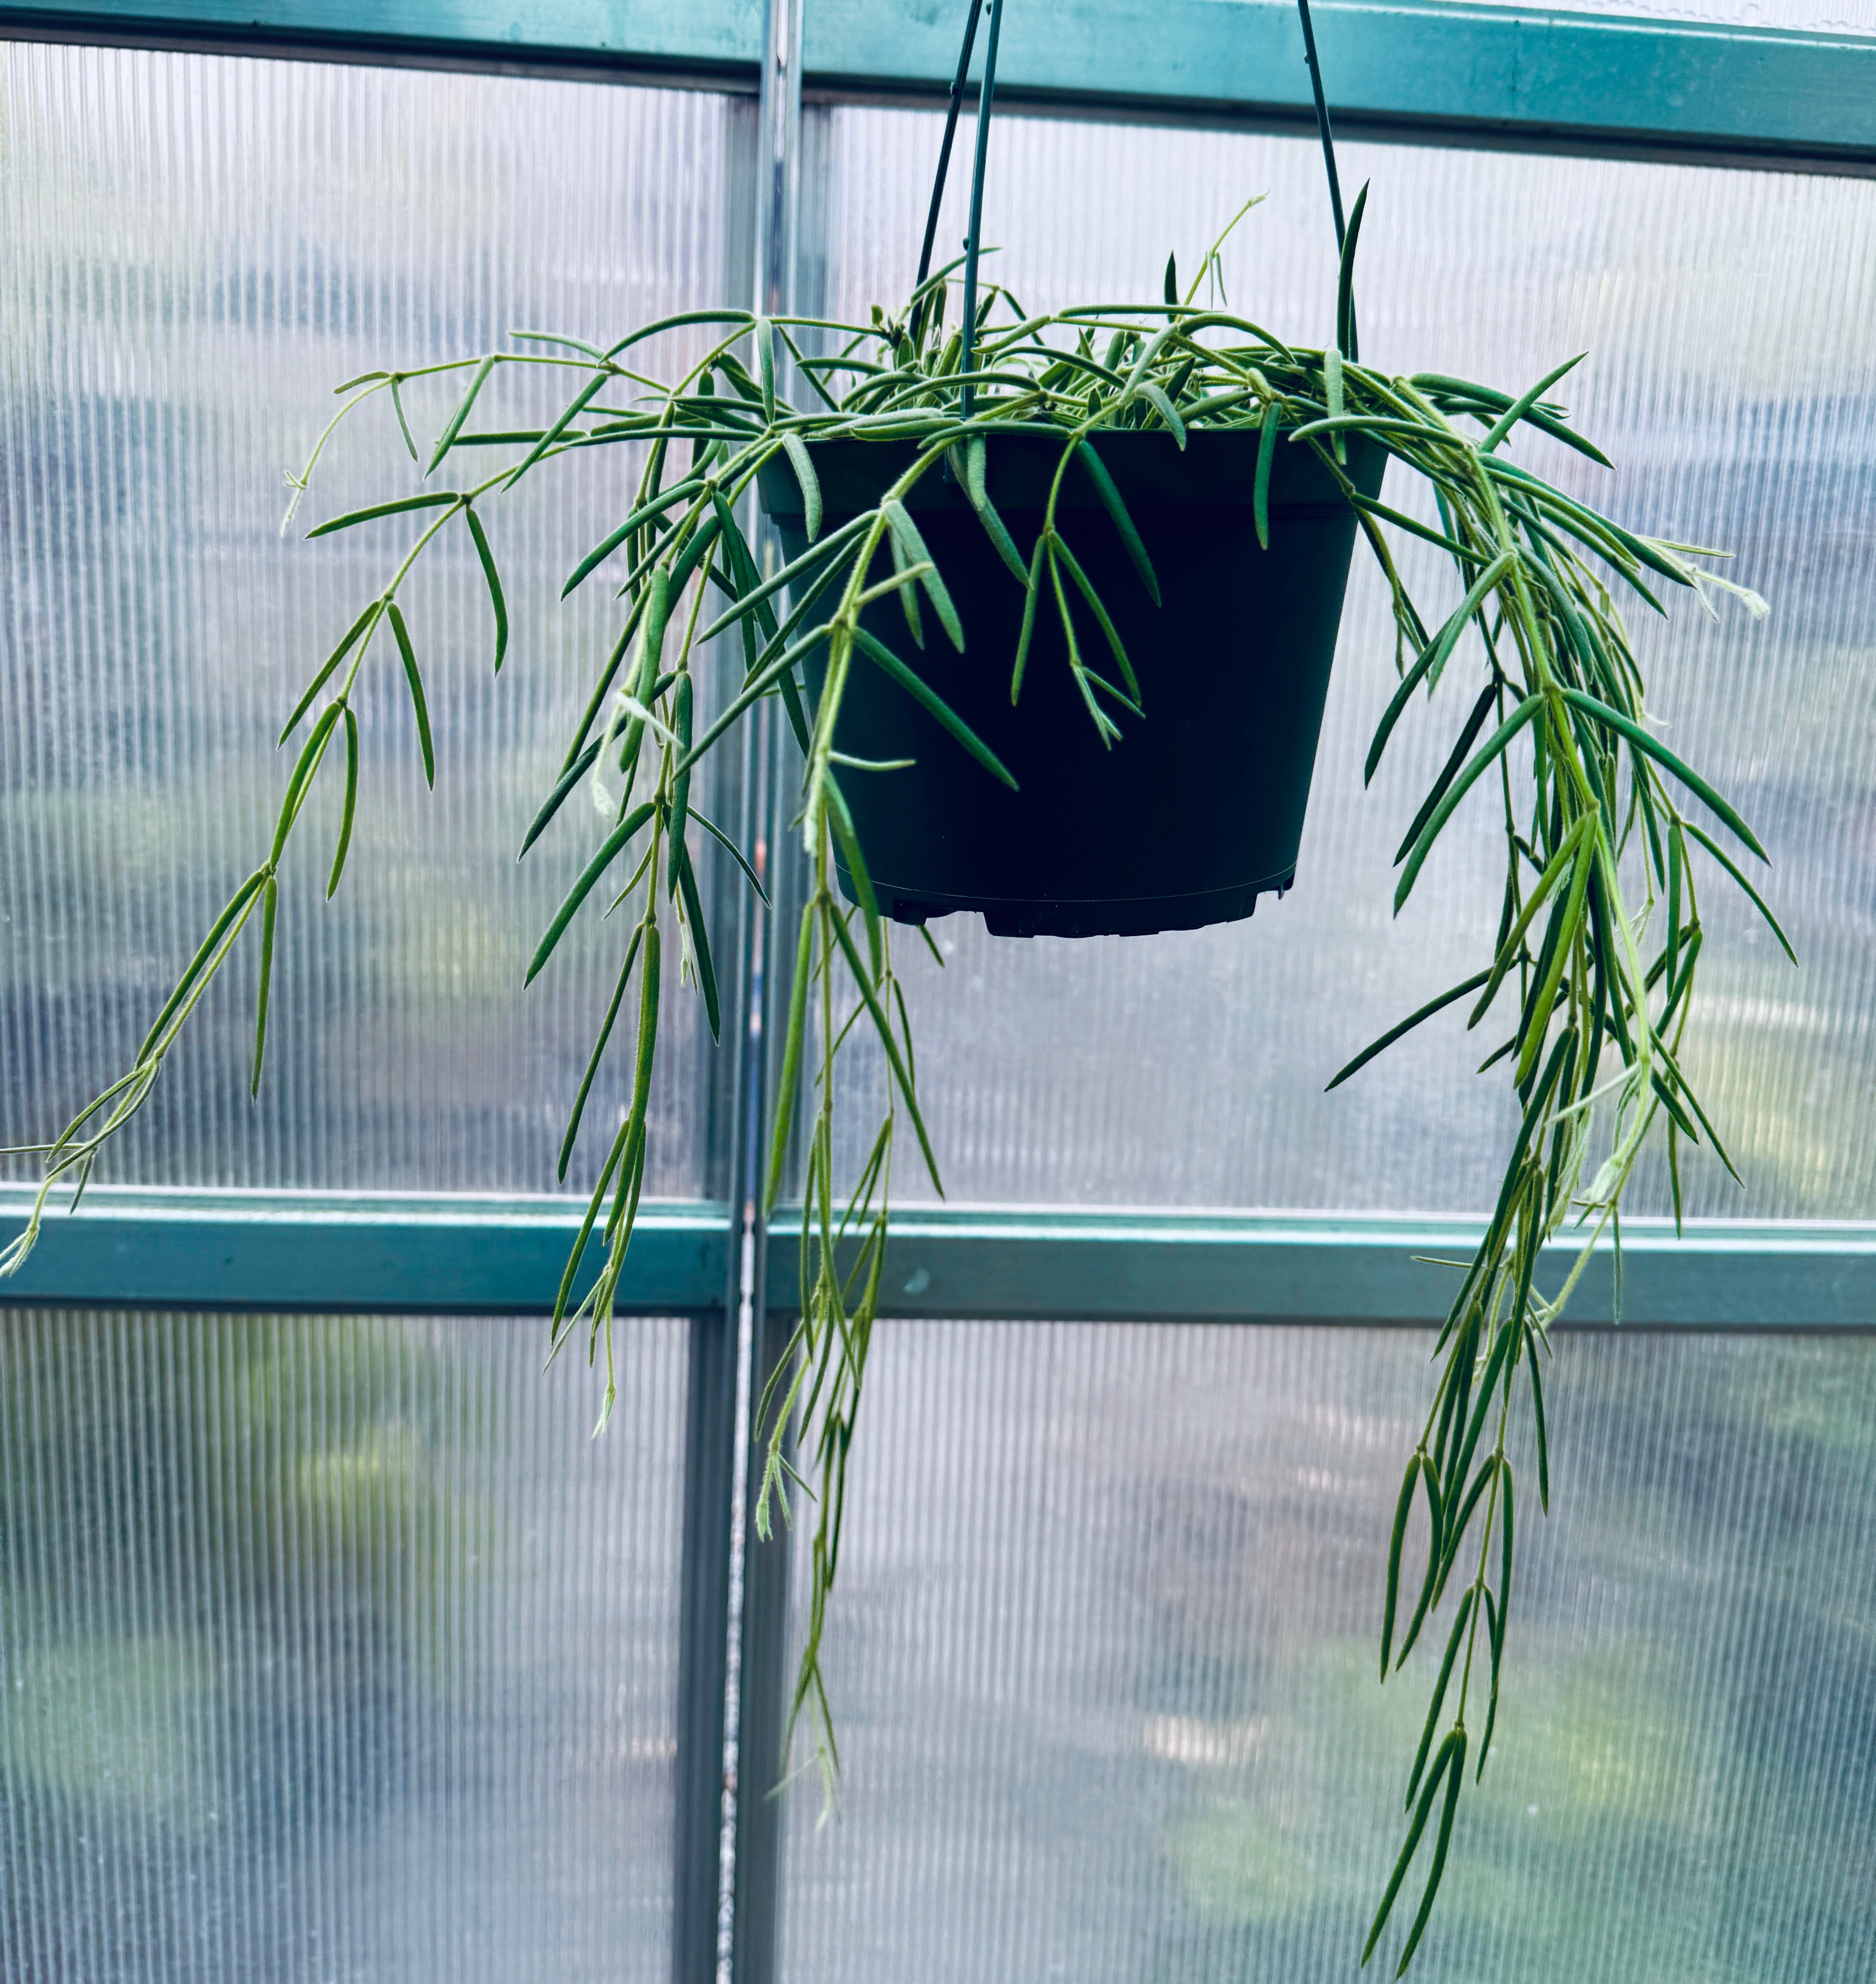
x=333 y=1646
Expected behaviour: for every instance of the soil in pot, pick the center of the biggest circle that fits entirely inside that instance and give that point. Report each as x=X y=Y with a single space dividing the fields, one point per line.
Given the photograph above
x=1199 y=809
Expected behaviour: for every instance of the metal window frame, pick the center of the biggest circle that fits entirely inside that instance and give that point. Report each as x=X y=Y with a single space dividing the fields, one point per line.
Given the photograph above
x=1405 y=70
x=397 y=1254
x=1412 y=69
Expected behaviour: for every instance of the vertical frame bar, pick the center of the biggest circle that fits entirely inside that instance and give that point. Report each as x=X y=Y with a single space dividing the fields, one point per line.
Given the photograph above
x=756 y=1885
x=712 y=1436
x=703 y=1639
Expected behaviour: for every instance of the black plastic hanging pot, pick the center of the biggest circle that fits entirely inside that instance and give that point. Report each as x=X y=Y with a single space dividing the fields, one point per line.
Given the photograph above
x=1198 y=809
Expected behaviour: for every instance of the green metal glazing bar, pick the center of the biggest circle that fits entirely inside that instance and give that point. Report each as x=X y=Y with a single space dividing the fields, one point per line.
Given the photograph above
x=392 y=1254
x=1414 y=68
x=1269 y=1268
x=401 y=1253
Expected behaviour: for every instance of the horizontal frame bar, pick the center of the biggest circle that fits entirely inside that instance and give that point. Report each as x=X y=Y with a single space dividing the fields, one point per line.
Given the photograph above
x=964 y=1265
x=1417 y=70
x=353 y=1252
x=466 y=1254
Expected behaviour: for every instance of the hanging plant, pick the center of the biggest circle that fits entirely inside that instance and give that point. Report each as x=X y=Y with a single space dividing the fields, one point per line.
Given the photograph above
x=1116 y=513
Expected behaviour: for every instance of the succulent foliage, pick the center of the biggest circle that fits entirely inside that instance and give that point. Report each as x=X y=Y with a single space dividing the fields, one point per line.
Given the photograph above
x=1607 y=834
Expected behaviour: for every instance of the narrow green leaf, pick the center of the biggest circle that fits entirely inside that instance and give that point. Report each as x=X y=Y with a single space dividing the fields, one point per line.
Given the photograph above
x=1539 y=1021
x=1453 y=1642
x=735 y=853
x=789 y=1086
x=1494 y=1364
x=647 y=1052
x=609 y=852
x=906 y=533
x=903 y=563
x=1489 y=397
x=1156 y=397
x=1433 y=656
x=1436 y=1516
x=563 y=786
x=415 y=680
x=495 y=599
x=679 y=322
x=882 y=657
x=403 y=420
x=589 y=391
x=304 y=767
x=1523 y=404
x=1676 y=860
x=1468 y=736
x=578 y=1252
x=803 y=465
x=697 y=547
x=1172 y=279
x=237 y=902
x=1558 y=867
x=976 y=488
x=447 y=439
x=1444 y=1840
x=700 y=938
x=678 y=492
x=1413 y=1020
x=1651 y=747
x=351 y=803
x=1732 y=868
x=433 y=500
x=680 y=781
x=1457 y=1391
x=1506 y=1550
x=1537 y=1413
x=1673 y=1067
x=1499 y=739
x=1495 y=1629
x=1029 y=617
x=791 y=574
x=765 y=358
x=1084 y=585
x=1396 y=1543
x=753 y=691
x=1366 y=507
x=270 y=904
x=847 y=838
x=360 y=627
x=599 y=1048
x=1266 y=455
x=894 y=1059
x=1462 y=1520
x=1111 y=501
x=1440 y=1767
x=1345 y=282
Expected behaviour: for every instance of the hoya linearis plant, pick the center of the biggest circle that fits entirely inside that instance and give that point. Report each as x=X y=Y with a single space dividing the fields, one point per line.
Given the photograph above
x=1592 y=975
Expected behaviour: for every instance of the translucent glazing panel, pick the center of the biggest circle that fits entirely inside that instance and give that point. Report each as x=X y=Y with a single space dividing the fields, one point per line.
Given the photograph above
x=333 y=1649
x=1104 y=1670
x=1824 y=17
x=1728 y=318
x=194 y=251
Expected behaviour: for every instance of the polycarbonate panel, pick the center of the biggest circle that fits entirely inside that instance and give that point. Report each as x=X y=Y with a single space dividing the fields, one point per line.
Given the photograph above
x=1102 y=1657
x=194 y=251
x=1732 y=343
x=334 y=1649
x=1824 y=17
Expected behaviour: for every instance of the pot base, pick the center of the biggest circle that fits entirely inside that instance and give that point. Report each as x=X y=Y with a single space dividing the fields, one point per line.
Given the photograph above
x=1123 y=915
